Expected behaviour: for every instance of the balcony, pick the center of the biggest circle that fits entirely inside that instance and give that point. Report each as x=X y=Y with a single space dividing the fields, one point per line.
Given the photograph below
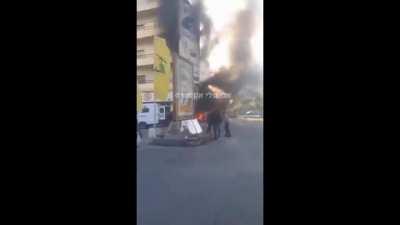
x=149 y=96
x=145 y=60
x=146 y=87
x=146 y=5
x=145 y=57
x=149 y=86
x=147 y=30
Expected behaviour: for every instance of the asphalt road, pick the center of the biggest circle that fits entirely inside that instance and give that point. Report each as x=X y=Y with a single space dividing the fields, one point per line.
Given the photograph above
x=220 y=183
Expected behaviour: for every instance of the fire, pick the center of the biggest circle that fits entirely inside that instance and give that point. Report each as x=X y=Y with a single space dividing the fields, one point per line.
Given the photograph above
x=201 y=117
x=218 y=93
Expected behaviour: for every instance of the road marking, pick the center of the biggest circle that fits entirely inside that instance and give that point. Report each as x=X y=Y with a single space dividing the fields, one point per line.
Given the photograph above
x=251 y=119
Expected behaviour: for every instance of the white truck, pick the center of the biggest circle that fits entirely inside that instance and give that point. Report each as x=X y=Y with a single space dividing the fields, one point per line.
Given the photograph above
x=154 y=114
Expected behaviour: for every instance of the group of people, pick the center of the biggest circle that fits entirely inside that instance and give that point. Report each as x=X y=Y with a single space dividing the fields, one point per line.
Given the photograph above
x=214 y=120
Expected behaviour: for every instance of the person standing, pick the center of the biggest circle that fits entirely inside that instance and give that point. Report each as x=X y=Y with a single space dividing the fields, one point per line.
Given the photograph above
x=226 y=125
x=213 y=120
x=209 y=122
x=217 y=124
x=138 y=130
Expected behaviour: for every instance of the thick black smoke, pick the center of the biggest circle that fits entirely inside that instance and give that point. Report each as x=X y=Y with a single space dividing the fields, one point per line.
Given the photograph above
x=242 y=71
x=205 y=24
x=168 y=20
x=230 y=80
x=222 y=79
x=168 y=17
x=241 y=46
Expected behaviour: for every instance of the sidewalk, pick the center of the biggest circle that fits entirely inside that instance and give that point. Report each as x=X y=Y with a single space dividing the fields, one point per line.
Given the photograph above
x=180 y=139
x=177 y=140
x=250 y=118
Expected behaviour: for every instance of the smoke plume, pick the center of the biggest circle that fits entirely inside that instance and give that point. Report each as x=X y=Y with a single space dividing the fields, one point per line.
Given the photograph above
x=205 y=26
x=242 y=71
x=168 y=17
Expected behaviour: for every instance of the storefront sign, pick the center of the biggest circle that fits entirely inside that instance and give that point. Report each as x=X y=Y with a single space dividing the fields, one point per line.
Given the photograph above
x=183 y=89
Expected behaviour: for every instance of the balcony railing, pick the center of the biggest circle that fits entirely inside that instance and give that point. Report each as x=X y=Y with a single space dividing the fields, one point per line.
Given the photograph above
x=146 y=86
x=149 y=86
x=145 y=61
x=145 y=30
x=148 y=96
x=144 y=5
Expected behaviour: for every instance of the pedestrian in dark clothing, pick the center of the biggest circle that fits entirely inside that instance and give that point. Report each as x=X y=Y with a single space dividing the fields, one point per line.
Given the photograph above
x=209 y=122
x=226 y=121
x=169 y=118
x=138 y=129
x=217 y=130
x=214 y=121
x=217 y=124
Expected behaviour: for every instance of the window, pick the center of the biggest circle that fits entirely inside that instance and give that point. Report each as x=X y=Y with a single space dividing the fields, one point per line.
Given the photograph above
x=145 y=110
x=141 y=79
x=161 y=110
x=148 y=25
x=140 y=51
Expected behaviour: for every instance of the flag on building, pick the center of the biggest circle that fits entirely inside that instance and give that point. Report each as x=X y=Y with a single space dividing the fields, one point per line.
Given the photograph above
x=138 y=99
x=162 y=67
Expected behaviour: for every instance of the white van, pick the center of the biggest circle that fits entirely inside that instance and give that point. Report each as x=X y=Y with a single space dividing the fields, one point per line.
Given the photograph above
x=153 y=113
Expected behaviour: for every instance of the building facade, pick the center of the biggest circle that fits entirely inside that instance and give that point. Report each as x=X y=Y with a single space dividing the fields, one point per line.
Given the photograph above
x=147 y=27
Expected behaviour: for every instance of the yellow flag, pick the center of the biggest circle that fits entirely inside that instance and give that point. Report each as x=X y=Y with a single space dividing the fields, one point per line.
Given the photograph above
x=161 y=48
x=161 y=85
x=138 y=99
x=162 y=67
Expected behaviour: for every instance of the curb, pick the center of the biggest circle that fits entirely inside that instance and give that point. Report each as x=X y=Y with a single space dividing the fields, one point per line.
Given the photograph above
x=251 y=119
x=180 y=142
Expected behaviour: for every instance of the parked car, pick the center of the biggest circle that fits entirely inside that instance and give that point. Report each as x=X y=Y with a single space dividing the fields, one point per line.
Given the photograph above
x=252 y=114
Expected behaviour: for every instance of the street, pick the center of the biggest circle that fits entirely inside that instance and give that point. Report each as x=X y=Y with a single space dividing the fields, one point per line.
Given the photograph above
x=220 y=183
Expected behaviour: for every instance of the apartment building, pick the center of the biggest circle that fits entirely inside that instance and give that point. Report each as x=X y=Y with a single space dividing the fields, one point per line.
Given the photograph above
x=147 y=27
